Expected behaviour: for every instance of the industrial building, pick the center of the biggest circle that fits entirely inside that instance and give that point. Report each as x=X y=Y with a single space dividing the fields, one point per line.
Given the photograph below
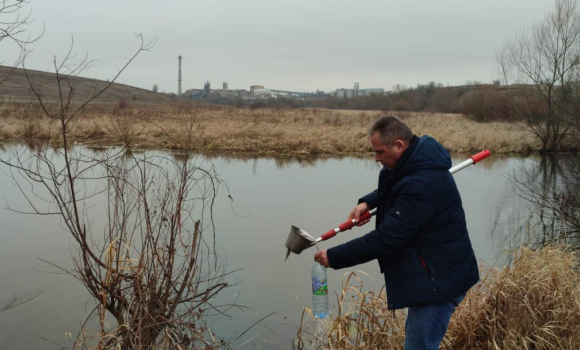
x=259 y=91
x=264 y=92
x=256 y=87
x=349 y=93
x=368 y=92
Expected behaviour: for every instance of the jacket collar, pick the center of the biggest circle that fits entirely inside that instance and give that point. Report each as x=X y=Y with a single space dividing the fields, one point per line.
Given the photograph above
x=400 y=166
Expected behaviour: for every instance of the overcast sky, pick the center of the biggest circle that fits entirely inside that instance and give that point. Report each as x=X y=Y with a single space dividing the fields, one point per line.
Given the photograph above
x=299 y=45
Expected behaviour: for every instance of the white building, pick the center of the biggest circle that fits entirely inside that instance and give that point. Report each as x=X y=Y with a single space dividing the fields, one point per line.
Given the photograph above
x=368 y=92
x=265 y=93
x=344 y=93
x=348 y=93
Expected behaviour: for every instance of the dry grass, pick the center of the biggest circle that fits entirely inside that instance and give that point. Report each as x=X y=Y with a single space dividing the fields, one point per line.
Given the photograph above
x=534 y=303
x=263 y=131
x=17 y=87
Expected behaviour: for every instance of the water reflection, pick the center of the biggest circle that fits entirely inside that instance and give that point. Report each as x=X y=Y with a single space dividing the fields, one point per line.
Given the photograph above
x=549 y=188
x=281 y=162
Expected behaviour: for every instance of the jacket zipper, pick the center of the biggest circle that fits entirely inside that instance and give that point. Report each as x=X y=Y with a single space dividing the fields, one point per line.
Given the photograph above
x=424 y=264
x=426 y=267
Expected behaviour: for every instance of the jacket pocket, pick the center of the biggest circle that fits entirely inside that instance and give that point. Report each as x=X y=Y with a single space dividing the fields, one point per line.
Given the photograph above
x=426 y=266
x=402 y=265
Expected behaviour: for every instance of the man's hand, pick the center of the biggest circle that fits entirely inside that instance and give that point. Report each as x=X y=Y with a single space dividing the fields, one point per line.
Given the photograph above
x=321 y=258
x=357 y=212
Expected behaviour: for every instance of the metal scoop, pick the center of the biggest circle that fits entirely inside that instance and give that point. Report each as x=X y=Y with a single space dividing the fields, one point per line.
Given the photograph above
x=298 y=239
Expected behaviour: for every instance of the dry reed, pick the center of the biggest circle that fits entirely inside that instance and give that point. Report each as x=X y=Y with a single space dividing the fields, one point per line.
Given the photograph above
x=259 y=131
x=533 y=303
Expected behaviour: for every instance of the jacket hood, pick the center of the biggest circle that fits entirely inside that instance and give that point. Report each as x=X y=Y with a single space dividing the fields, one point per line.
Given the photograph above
x=429 y=154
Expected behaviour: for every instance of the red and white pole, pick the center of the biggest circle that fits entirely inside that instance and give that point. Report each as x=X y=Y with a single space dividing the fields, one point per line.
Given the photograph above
x=347 y=225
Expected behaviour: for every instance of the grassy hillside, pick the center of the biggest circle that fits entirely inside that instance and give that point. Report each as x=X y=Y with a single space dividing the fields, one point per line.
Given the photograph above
x=17 y=88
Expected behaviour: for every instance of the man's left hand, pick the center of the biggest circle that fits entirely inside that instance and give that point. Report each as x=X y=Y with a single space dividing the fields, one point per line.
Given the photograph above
x=321 y=258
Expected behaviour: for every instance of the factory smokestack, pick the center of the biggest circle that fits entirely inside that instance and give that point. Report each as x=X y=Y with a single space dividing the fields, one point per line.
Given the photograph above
x=179 y=79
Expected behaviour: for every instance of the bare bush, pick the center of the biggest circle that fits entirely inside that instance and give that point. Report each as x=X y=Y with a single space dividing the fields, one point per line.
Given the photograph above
x=151 y=266
x=487 y=105
x=30 y=131
x=96 y=131
x=122 y=126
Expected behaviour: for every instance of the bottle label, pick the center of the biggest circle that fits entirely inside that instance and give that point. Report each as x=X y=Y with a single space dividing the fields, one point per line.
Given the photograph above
x=319 y=287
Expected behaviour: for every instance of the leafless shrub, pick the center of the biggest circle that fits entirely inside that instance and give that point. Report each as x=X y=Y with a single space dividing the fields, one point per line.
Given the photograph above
x=487 y=105
x=122 y=126
x=95 y=131
x=152 y=268
x=30 y=131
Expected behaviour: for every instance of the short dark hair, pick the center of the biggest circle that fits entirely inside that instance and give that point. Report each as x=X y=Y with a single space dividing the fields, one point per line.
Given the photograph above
x=390 y=129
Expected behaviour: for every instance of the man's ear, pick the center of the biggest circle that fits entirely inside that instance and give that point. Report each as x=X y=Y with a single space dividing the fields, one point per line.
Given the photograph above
x=400 y=145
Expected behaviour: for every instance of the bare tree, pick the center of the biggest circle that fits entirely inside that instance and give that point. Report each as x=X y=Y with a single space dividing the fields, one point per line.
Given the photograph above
x=152 y=268
x=544 y=65
x=14 y=21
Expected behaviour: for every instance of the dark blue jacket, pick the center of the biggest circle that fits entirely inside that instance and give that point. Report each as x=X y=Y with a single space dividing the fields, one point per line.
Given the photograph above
x=419 y=215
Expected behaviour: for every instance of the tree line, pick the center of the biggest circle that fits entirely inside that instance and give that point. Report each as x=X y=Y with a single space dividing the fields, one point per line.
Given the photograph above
x=481 y=102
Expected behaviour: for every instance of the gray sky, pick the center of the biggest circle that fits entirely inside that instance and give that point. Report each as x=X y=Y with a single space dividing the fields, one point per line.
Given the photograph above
x=299 y=45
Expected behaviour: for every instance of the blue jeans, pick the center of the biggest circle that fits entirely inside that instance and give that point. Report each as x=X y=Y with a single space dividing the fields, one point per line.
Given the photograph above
x=426 y=325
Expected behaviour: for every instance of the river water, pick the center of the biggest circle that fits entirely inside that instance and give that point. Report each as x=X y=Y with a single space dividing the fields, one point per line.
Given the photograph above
x=269 y=195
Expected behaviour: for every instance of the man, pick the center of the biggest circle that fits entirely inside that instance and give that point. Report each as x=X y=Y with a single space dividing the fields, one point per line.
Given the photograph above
x=420 y=239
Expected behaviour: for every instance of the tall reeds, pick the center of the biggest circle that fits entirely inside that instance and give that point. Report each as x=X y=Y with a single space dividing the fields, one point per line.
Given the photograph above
x=258 y=131
x=532 y=303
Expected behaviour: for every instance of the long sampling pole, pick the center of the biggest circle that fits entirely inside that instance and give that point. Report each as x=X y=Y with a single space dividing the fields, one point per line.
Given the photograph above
x=347 y=225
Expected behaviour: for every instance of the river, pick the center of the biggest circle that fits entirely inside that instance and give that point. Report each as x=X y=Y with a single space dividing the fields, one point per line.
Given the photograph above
x=269 y=195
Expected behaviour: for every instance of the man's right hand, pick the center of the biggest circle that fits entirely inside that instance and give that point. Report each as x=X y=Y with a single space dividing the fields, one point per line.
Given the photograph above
x=357 y=212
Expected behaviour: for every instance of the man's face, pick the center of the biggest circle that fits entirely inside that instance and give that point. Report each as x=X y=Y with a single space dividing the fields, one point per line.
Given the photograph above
x=387 y=156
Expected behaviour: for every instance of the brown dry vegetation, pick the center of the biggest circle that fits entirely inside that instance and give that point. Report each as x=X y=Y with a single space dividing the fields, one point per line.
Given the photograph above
x=534 y=303
x=261 y=131
x=17 y=87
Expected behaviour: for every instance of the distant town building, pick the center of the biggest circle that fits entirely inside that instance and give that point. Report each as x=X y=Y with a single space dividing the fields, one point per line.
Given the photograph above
x=225 y=95
x=344 y=93
x=349 y=93
x=198 y=94
x=368 y=92
x=265 y=93
x=256 y=87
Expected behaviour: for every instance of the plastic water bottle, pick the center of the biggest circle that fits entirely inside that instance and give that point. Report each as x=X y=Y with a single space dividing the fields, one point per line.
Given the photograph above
x=319 y=291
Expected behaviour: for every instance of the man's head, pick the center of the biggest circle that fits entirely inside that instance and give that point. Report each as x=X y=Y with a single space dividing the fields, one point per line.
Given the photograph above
x=389 y=138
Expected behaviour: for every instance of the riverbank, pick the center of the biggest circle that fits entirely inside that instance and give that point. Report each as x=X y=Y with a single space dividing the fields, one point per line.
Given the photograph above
x=253 y=131
x=534 y=303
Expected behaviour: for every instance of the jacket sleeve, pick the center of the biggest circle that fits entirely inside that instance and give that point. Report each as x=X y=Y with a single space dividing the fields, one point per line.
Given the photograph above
x=413 y=207
x=372 y=199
